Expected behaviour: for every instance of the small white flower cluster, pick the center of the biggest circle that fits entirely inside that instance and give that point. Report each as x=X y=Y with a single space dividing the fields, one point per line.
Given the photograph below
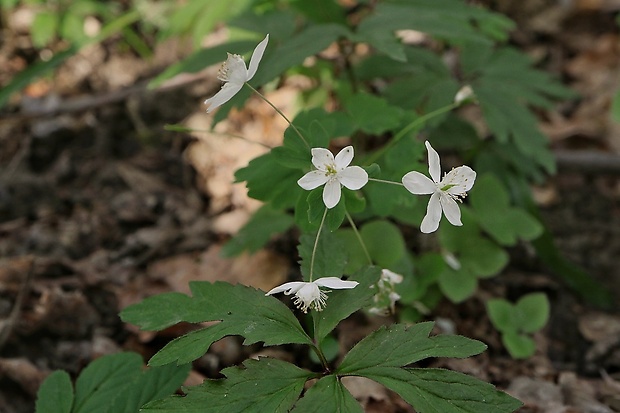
x=336 y=172
x=385 y=299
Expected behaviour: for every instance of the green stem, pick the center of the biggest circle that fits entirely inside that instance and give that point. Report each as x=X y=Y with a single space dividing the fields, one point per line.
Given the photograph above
x=316 y=346
x=419 y=121
x=280 y=113
x=316 y=243
x=359 y=237
x=183 y=129
x=385 y=182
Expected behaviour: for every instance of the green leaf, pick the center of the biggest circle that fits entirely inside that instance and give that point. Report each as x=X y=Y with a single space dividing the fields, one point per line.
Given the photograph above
x=202 y=59
x=449 y=19
x=504 y=223
x=153 y=383
x=399 y=345
x=457 y=285
x=257 y=232
x=343 y=303
x=321 y=11
x=264 y=385
x=615 y=107
x=518 y=345
x=242 y=310
x=444 y=391
x=373 y=114
x=502 y=315
x=102 y=381
x=330 y=256
x=533 y=310
x=55 y=394
x=44 y=28
x=268 y=181
x=294 y=50
x=328 y=395
x=384 y=242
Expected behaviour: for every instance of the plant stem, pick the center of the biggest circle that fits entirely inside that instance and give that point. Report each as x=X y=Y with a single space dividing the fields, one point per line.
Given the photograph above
x=317 y=346
x=385 y=182
x=419 y=121
x=280 y=113
x=359 y=237
x=316 y=243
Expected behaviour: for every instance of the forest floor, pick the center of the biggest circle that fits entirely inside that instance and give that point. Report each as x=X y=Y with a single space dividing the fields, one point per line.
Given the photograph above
x=100 y=208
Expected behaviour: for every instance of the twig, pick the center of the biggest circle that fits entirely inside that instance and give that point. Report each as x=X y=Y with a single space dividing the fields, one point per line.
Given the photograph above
x=83 y=103
x=6 y=325
x=594 y=162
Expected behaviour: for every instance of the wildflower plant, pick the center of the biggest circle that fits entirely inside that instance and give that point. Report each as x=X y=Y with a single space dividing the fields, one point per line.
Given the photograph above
x=398 y=105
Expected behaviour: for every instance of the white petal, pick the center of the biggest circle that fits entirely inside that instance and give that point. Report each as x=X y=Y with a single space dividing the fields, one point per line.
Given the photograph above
x=321 y=158
x=224 y=95
x=344 y=158
x=353 y=177
x=257 y=55
x=234 y=70
x=430 y=223
x=451 y=209
x=287 y=288
x=335 y=283
x=313 y=179
x=391 y=277
x=434 y=167
x=331 y=193
x=418 y=184
x=462 y=178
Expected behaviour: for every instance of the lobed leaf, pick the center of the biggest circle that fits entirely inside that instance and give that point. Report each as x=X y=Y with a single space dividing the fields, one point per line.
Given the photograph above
x=444 y=391
x=328 y=395
x=241 y=310
x=263 y=385
x=399 y=345
x=343 y=303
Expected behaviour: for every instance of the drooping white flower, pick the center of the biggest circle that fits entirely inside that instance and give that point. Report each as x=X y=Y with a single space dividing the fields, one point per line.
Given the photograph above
x=333 y=172
x=234 y=74
x=445 y=192
x=466 y=93
x=308 y=294
x=385 y=298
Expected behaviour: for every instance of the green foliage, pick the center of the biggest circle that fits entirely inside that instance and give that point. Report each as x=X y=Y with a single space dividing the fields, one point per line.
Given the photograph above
x=330 y=257
x=328 y=395
x=506 y=224
x=263 y=385
x=258 y=231
x=241 y=310
x=343 y=303
x=114 y=383
x=517 y=321
x=444 y=391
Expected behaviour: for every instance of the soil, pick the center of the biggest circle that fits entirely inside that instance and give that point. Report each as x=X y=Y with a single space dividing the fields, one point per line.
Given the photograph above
x=101 y=207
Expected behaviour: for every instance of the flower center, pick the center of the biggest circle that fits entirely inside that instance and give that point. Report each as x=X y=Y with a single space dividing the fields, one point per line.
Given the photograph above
x=331 y=169
x=223 y=73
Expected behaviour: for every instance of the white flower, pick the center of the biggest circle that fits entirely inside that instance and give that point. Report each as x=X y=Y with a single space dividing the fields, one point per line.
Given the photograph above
x=390 y=277
x=464 y=94
x=333 y=172
x=453 y=186
x=386 y=297
x=234 y=74
x=308 y=294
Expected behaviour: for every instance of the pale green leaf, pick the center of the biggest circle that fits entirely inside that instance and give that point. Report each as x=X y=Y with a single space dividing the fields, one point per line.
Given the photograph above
x=518 y=345
x=533 y=310
x=502 y=315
